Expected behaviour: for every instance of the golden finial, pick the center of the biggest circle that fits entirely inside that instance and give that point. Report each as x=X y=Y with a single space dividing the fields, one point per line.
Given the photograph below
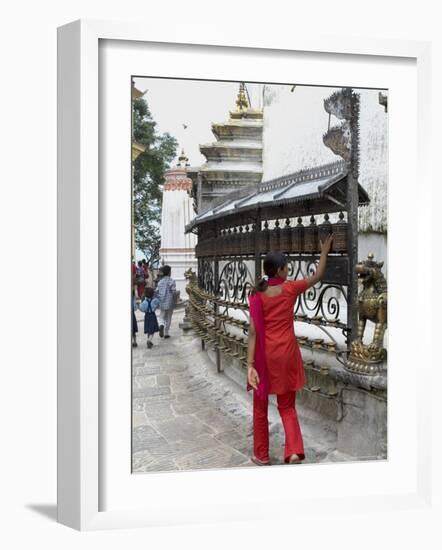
x=136 y=93
x=241 y=100
x=182 y=159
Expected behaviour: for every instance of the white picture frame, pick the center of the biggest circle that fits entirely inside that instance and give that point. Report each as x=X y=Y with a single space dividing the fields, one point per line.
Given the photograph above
x=80 y=442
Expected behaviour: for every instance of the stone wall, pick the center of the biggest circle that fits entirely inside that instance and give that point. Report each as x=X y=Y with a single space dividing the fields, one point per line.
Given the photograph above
x=354 y=417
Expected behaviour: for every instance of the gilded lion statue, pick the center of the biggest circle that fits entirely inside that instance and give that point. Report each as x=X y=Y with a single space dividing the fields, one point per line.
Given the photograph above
x=372 y=306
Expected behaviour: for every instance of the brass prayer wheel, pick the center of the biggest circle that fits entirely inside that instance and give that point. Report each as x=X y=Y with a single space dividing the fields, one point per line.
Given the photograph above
x=340 y=229
x=298 y=237
x=249 y=240
x=236 y=247
x=285 y=243
x=324 y=229
x=241 y=240
x=275 y=234
x=222 y=242
x=264 y=238
x=311 y=243
x=228 y=247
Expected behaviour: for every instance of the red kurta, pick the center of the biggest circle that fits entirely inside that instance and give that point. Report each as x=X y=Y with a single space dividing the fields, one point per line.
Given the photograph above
x=283 y=356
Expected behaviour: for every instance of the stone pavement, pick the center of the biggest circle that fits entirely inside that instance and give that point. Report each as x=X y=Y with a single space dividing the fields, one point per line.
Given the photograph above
x=186 y=416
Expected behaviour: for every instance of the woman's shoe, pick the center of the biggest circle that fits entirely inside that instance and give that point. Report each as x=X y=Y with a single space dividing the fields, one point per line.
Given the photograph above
x=259 y=462
x=294 y=459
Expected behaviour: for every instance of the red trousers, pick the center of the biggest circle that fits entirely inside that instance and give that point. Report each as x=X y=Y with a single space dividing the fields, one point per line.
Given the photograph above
x=287 y=411
x=140 y=289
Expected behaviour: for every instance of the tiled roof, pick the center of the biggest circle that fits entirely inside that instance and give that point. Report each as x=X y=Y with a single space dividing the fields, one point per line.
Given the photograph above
x=325 y=182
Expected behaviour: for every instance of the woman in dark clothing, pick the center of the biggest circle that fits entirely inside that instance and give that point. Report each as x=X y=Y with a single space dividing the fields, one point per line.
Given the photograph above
x=134 y=322
x=148 y=307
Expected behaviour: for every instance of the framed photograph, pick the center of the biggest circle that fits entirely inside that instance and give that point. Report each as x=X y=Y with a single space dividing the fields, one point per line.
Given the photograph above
x=224 y=211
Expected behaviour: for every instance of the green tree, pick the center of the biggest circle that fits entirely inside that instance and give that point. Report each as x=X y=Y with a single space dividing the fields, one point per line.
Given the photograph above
x=148 y=176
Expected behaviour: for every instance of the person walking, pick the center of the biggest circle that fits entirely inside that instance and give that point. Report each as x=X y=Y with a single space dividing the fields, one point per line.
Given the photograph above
x=148 y=307
x=134 y=320
x=149 y=278
x=140 y=280
x=134 y=275
x=158 y=277
x=274 y=360
x=145 y=266
x=166 y=292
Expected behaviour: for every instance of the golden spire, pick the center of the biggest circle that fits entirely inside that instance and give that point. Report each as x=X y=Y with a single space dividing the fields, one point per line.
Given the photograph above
x=183 y=160
x=136 y=93
x=241 y=100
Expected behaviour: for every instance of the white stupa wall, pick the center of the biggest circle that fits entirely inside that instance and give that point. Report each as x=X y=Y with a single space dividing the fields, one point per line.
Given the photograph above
x=177 y=247
x=294 y=123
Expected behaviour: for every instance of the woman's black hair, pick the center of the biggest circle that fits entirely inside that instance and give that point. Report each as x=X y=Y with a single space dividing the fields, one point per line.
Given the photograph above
x=273 y=261
x=148 y=292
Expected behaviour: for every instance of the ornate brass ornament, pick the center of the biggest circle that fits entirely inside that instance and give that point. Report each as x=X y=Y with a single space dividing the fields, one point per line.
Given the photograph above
x=186 y=323
x=241 y=101
x=372 y=306
x=338 y=138
x=190 y=275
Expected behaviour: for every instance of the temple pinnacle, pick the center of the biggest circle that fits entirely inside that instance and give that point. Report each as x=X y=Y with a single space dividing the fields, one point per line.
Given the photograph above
x=241 y=100
x=183 y=159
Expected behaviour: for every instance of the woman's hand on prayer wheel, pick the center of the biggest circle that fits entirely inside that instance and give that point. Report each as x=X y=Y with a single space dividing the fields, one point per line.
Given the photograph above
x=326 y=245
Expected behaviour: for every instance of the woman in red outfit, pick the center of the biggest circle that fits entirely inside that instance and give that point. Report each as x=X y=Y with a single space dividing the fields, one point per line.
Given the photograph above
x=274 y=358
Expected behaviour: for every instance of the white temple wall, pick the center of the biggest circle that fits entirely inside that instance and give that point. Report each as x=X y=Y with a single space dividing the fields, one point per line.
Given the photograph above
x=177 y=247
x=176 y=212
x=294 y=123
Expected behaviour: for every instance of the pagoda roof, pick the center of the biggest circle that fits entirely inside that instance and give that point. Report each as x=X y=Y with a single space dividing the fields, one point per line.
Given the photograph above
x=247 y=114
x=233 y=144
x=313 y=190
x=220 y=150
x=231 y=167
x=241 y=123
x=237 y=130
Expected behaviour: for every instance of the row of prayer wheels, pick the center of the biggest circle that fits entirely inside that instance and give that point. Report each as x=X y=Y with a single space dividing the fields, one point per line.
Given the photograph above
x=288 y=239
